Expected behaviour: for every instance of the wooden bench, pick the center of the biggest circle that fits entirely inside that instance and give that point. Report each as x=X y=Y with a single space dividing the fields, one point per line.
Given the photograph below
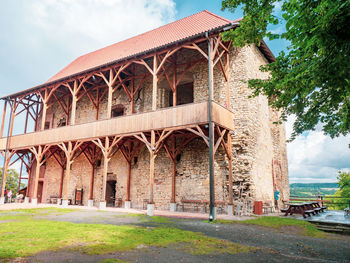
x=309 y=212
x=193 y=203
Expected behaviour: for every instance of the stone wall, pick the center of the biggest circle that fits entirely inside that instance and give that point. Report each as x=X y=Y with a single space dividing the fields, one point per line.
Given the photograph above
x=257 y=143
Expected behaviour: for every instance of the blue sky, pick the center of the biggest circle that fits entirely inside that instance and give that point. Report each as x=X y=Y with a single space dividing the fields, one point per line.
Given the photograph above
x=40 y=37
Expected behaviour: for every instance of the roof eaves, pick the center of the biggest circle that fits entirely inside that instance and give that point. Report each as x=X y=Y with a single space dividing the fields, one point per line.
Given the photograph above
x=117 y=61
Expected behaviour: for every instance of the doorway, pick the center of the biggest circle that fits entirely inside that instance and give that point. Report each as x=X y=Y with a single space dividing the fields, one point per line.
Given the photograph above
x=110 y=192
x=40 y=191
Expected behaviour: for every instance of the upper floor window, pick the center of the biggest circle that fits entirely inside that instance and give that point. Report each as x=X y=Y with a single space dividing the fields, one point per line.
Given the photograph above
x=184 y=94
x=118 y=110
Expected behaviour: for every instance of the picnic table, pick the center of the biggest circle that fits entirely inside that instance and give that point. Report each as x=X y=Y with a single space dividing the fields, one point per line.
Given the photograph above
x=310 y=208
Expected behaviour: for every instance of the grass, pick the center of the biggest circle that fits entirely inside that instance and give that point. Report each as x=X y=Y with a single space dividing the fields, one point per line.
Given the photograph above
x=307 y=228
x=27 y=236
x=108 y=260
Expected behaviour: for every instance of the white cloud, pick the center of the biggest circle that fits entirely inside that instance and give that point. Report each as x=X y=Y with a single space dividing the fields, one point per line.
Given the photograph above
x=315 y=157
x=40 y=37
x=86 y=25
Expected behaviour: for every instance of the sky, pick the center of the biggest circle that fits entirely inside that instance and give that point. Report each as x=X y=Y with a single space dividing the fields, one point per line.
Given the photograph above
x=40 y=37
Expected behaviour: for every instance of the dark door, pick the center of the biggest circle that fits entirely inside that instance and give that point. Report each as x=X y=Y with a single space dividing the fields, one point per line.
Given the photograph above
x=40 y=191
x=110 y=192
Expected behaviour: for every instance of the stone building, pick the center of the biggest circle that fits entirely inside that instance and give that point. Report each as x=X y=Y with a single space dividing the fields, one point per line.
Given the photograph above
x=130 y=124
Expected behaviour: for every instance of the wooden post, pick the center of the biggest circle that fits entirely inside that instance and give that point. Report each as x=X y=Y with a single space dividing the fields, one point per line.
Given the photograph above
x=174 y=84
x=227 y=70
x=155 y=83
x=110 y=95
x=128 y=182
x=43 y=115
x=105 y=171
x=38 y=156
x=12 y=118
x=61 y=182
x=74 y=102
x=26 y=122
x=152 y=159
x=4 y=176
x=173 y=177
x=20 y=177
x=3 y=120
x=69 y=161
x=92 y=183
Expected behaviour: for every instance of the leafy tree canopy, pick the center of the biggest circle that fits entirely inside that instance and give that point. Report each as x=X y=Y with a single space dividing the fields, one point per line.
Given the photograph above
x=312 y=78
x=343 y=193
x=12 y=181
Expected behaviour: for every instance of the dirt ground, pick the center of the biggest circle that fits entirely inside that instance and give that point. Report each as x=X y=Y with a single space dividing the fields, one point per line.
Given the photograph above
x=285 y=245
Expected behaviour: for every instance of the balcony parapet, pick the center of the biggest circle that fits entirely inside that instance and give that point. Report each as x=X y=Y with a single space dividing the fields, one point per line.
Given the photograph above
x=174 y=117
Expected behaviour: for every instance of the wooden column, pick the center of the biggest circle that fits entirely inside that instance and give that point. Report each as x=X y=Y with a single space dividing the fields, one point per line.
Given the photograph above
x=227 y=73
x=175 y=84
x=107 y=151
x=155 y=83
x=61 y=182
x=39 y=154
x=6 y=167
x=151 y=168
x=128 y=182
x=69 y=152
x=3 y=119
x=173 y=174
x=105 y=171
x=43 y=115
x=74 y=102
x=12 y=118
x=92 y=179
x=68 y=167
x=109 y=103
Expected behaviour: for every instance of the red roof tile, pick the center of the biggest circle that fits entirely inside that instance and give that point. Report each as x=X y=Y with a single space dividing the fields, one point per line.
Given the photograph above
x=162 y=36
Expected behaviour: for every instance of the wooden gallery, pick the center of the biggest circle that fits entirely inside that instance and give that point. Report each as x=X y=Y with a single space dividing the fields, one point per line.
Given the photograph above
x=152 y=122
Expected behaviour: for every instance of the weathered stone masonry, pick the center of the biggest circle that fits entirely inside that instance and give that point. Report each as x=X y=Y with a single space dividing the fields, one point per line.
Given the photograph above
x=257 y=143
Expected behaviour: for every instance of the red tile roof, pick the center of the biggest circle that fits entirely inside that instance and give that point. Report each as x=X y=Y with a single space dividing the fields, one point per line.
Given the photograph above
x=156 y=38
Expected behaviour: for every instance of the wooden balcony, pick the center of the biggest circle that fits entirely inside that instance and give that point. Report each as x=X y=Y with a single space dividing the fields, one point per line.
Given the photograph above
x=184 y=115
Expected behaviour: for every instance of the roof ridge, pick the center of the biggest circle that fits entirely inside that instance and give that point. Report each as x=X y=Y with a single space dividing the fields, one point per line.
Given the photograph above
x=141 y=34
x=223 y=18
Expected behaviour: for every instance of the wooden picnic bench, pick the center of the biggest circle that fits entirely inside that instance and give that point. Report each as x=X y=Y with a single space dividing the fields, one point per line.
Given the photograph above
x=311 y=208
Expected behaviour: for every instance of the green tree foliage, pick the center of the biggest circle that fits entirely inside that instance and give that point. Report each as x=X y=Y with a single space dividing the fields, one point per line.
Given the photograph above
x=343 y=194
x=12 y=180
x=311 y=79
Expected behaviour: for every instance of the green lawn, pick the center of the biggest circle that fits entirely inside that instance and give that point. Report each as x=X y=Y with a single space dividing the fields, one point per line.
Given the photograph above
x=23 y=234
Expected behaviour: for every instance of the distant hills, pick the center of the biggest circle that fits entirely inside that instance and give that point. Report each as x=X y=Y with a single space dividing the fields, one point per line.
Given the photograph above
x=314 y=185
x=313 y=189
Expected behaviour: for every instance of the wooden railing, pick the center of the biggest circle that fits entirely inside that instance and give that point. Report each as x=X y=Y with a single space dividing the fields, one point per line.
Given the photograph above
x=184 y=115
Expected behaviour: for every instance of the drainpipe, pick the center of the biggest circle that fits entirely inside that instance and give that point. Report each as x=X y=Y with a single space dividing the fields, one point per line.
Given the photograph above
x=7 y=145
x=211 y=138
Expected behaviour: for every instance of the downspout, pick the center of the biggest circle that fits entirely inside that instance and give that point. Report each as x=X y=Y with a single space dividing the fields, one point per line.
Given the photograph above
x=6 y=148
x=211 y=138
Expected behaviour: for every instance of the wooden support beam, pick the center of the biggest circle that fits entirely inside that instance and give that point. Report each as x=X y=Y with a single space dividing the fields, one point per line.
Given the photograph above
x=151 y=169
x=227 y=70
x=155 y=83
x=43 y=114
x=3 y=120
x=74 y=102
x=4 y=176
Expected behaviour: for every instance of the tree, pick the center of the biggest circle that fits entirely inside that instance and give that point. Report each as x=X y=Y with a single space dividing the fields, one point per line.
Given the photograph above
x=312 y=78
x=12 y=180
x=343 y=194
